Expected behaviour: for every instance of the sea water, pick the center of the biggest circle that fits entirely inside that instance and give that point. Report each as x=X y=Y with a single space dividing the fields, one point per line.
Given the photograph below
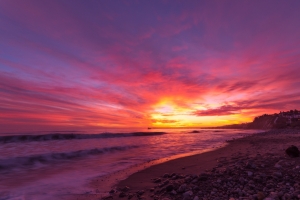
x=49 y=165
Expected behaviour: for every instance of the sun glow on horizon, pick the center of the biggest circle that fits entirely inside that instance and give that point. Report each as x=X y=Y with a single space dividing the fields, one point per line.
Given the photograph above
x=131 y=64
x=169 y=114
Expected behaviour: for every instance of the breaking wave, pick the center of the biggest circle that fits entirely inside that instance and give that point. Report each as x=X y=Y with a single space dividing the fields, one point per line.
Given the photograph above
x=16 y=162
x=70 y=136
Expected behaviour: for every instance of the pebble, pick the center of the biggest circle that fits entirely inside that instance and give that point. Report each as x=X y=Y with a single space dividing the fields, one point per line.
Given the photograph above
x=173 y=192
x=169 y=188
x=196 y=198
x=125 y=189
x=277 y=166
x=278 y=174
x=158 y=180
x=182 y=188
x=122 y=194
x=111 y=192
x=187 y=194
x=140 y=192
x=130 y=196
x=260 y=196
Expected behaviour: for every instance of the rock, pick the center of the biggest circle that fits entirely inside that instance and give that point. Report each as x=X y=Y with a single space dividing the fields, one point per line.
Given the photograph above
x=166 y=175
x=242 y=180
x=107 y=198
x=258 y=179
x=250 y=165
x=292 y=151
x=130 y=196
x=111 y=192
x=140 y=192
x=182 y=188
x=277 y=165
x=196 y=188
x=203 y=177
x=122 y=194
x=187 y=195
x=277 y=174
x=196 y=198
x=169 y=188
x=273 y=195
x=124 y=189
x=280 y=194
x=287 y=196
x=260 y=196
x=158 y=180
x=173 y=192
x=195 y=180
x=165 y=183
x=250 y=173
x=194 y=176
x=187 y=179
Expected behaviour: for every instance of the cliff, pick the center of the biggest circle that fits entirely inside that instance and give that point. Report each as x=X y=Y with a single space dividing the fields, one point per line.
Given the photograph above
x=289 y=119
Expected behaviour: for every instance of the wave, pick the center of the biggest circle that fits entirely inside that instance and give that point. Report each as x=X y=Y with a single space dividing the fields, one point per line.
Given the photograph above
x=70 y=136
x=195 y=131
x=202 y=131
x=16 y=162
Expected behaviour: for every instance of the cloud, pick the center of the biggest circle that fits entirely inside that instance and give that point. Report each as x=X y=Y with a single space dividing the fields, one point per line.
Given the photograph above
x=111 y=64
x=164 y=121
x=223 y=110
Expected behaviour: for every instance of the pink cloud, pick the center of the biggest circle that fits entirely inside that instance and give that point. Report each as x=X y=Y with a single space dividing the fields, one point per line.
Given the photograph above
x=223 y=110
x=110 y=63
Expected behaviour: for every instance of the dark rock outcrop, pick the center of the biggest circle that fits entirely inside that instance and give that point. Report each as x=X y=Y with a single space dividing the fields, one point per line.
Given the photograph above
x=292 y=151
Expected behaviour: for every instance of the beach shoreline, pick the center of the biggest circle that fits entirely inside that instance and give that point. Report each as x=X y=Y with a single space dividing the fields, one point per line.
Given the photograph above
x=100 y=187
x=262 y=151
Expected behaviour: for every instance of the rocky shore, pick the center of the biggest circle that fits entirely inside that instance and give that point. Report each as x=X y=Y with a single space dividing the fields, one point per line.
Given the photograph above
x=260 y=177
x=254 y=167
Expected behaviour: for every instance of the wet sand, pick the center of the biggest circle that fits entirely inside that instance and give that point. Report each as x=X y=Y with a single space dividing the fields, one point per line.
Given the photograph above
x=238 y=170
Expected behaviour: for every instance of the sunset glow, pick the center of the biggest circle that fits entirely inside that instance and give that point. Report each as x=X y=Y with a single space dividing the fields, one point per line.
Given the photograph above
x=69 y=65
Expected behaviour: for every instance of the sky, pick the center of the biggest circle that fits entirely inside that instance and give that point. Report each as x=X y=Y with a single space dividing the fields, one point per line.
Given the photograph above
x=79 y=65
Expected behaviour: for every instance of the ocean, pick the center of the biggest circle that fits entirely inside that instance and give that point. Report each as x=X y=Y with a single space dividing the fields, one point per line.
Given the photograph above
x=50 y=165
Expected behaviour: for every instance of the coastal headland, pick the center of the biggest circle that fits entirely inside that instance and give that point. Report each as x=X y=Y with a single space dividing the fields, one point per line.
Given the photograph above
x=252 y=167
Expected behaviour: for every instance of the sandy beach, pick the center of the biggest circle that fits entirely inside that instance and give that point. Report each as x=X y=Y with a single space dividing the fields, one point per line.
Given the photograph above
x=252 y=167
